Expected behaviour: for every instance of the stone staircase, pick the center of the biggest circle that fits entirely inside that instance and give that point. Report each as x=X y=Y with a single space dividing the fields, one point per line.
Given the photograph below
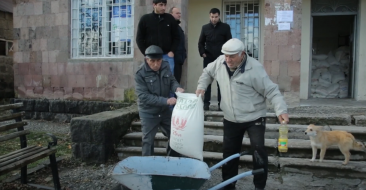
x=297 y=157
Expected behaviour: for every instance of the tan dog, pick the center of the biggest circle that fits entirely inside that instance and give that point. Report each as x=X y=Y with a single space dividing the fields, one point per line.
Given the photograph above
x=323 y=139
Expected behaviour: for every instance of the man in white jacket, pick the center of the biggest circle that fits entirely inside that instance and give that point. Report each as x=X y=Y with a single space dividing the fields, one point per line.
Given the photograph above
x=245 y=86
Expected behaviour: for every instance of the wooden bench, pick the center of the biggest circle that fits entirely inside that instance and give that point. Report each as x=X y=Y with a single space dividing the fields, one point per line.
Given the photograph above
x=19 y=159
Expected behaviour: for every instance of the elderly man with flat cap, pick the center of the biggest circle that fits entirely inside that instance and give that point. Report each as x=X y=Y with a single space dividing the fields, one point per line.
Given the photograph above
x=245 y=86
x=154 y=81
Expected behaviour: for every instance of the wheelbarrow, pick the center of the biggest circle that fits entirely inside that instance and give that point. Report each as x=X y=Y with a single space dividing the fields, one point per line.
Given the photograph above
x=163 y=173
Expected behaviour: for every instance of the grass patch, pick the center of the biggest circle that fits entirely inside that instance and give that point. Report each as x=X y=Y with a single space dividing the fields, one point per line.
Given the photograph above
x=36 y=139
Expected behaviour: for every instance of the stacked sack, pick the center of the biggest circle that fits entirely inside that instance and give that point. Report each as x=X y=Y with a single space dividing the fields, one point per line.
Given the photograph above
x=330 y=74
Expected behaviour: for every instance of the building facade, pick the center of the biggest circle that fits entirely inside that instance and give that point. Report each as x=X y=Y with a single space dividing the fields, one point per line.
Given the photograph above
x=86 y=49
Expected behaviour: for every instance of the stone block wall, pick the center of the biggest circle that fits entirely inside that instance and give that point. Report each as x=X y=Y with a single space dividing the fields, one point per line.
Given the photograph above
x=43 y=64
x=64 y=110
x=6 y=62
x=95 y=136
x=282 y=49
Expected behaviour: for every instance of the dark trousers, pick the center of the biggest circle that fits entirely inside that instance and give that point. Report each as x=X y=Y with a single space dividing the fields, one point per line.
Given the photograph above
x=233 y=137
x=149 y=127
x=178 y=71
x=207 y=98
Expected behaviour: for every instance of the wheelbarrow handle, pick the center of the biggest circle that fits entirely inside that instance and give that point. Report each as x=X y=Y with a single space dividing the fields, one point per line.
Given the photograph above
x=228 y=159
x=224 y=161
x=247 y=152
x=237 y=177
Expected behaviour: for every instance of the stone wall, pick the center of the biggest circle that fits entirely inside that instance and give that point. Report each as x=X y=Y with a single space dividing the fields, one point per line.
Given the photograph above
x=43 y=65
x=64 y=110
x=282 y=49
x=95 y=137
x=6 y=62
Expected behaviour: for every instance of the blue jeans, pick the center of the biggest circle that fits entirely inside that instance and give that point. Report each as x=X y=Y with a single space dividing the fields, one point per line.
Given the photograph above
x=170 y=60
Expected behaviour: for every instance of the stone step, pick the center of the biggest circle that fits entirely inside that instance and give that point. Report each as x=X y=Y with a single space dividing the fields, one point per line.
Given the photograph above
x=298 y=148
x=328 y=168
x=301 y=119
x=295 y=131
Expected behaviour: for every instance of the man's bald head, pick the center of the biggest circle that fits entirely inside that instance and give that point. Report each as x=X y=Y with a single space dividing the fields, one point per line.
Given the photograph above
x=175 y=12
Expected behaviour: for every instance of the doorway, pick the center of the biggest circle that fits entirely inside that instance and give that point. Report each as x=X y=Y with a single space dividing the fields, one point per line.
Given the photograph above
x=332 y=60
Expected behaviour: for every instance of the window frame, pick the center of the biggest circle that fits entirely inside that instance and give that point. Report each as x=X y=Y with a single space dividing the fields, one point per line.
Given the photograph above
x=105 y=44
x=8 y=46
x=243 y=25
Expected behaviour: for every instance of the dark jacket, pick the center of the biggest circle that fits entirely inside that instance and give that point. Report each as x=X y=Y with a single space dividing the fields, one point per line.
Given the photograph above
x=212 y=38
x=180 y=54
x=153 y=88
x=160 y=30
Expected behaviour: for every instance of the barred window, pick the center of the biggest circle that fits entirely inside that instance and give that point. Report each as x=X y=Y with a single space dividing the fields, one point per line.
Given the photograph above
x=102 y=28
x=243 y=18
x=6 y=46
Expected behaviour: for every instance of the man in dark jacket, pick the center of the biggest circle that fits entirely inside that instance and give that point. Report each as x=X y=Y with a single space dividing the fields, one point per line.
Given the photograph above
x=180 y=54
x=154 y=82
x=213 y=36
x=160 y=29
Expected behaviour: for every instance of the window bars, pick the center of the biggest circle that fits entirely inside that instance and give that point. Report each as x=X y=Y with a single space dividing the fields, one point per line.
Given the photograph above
x=102 y=28
x=243 y=18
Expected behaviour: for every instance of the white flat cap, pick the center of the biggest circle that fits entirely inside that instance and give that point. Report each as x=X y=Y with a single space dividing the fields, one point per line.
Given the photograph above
x=232 y=46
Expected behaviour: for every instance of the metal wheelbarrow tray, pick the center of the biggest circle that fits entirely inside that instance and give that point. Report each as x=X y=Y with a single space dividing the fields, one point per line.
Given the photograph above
x=164 y=173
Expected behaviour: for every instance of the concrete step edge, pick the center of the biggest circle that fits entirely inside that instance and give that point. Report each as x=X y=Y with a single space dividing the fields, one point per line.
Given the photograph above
x=292 y=128
x=358 y=166
x=269 y=114
x=271 y=143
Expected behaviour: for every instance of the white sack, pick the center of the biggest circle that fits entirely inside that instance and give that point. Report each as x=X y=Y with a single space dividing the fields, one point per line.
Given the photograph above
x=314 y=65
x=341 y=52
x=335 y=69
x=338 y=77
x=187 y=127
x=332 y=60
x=321 y=90
x=320 y=57
x=313 y=89
x=315 y=83
x=333 y=88
x=344 y=62
x=343 y=89
x=318 y=96
x=324 y=83
x=332 y=95
x=326 y=76
x=317 y=72
x=322 y=64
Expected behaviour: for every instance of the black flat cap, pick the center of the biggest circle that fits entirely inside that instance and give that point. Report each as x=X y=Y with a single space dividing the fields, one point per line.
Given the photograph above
x=154 y=52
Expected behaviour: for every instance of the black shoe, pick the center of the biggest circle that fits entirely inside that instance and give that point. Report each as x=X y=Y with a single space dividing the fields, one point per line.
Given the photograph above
x=259 y=188
x=206 y=107
x=219 y=109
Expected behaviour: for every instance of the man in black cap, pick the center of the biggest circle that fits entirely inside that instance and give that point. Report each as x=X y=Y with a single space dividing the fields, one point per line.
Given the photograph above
x=154 y=81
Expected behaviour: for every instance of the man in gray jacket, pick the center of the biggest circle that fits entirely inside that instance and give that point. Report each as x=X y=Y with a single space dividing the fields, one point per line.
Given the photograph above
x=245 y=86
x=154 y=81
